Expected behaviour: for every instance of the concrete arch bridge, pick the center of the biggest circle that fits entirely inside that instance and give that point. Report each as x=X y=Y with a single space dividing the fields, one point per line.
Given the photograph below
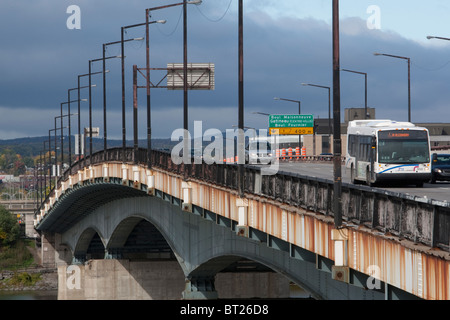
x=117 y=229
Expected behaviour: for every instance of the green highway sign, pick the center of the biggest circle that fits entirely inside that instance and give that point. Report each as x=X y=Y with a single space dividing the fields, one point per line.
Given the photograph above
x=291 y=121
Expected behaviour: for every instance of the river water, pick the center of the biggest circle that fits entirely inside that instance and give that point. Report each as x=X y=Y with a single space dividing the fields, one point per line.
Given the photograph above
x=29 y=295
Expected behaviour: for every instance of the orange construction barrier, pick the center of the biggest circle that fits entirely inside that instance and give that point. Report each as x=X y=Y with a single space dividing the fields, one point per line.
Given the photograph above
x=304 y=151
x=277 y=153
x=297 y=152
x=283 y=154
x=290 y=153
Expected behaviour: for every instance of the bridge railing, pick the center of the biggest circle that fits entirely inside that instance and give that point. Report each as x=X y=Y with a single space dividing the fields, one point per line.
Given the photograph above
x=417 y=219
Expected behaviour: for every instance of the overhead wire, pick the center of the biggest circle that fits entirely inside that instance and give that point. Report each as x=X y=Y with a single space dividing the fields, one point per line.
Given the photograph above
x=175 y=28
x=215 y=20
x=430 y=69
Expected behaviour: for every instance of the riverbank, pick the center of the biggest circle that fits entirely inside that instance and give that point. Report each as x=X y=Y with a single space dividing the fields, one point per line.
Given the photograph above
x=35 y=279
x=20 y=270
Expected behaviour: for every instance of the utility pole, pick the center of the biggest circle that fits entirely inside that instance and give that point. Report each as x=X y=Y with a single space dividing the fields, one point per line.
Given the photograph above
x=336 y=119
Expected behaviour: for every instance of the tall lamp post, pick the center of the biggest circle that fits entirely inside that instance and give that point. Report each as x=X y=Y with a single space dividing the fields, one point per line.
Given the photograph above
x=185 y=82
x=45 y=167
x=365 y=91
x=241 y=141
x=103 y=59
x=122 y=49
x=409 y=77
x=68 y=111
x=79 y=108
x=329 y=109
x=337 y=145
x=299 y=112
x=62 y=131
x=90 y=95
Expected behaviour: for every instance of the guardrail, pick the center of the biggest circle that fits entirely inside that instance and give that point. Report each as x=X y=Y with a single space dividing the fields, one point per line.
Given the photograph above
x=414 y=218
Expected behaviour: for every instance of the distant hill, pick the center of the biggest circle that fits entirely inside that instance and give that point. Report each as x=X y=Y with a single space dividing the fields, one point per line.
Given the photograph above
x=31 y=146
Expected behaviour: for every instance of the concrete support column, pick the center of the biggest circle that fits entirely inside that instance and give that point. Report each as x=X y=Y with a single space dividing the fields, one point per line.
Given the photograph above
x=52 y=252
x=48 y=249
x=80 y=177
x=187 y=196
x=114 y=279
x=340 y=269
x=91 y=174
x=105 y=172
x=242 y=227
x=200 y=288
x=136 y=177
x=150 y=183
x=124 y=174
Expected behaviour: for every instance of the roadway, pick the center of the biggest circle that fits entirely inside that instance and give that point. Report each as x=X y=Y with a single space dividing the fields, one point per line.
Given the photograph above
x=439 y=191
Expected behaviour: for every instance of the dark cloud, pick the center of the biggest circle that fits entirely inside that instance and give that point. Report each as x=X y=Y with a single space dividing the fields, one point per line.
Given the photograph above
x=41 y=59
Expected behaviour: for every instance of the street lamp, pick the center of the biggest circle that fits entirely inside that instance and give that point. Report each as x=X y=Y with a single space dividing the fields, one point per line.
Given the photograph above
x=90 y=96
x=104 y=46
x=122 y=48
x=44 y=169
x=62 y=132
x=185 y=82
x=241 y=98
x=409 y=77
x=296 y=101
x=299 y=112
x=79 y=107
x=440 y=38
x=329 y=109
x=262 y=113
x=56 y=148
x=337 y=143
x=40 y=177
x=68 y=111
x=365 y=91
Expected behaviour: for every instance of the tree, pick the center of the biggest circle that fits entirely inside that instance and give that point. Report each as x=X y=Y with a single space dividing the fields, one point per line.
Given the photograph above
x=9 y=227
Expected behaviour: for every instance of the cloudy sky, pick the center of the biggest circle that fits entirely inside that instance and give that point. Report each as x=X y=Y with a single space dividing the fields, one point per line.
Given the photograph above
x=287 y=42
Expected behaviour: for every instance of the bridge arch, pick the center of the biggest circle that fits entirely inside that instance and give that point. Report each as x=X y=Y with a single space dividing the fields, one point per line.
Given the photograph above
x=90 y=244
x=202 y=248
x=137 y=237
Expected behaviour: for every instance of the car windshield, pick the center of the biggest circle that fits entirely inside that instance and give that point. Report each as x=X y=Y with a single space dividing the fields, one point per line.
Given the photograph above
x=260 y=146
x=442 y=160
x=403 y=147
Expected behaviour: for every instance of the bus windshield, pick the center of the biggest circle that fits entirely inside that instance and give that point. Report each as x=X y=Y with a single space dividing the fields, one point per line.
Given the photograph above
x=403 y=146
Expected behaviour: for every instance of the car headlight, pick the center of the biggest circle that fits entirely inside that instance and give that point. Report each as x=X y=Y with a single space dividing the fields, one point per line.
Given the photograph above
x=438 y=170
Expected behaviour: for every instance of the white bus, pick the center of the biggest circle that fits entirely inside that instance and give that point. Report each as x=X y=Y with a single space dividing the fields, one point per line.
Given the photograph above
x=386 y=150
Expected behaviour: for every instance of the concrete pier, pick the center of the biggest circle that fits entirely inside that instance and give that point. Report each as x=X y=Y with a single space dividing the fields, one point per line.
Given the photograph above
x=112 y=279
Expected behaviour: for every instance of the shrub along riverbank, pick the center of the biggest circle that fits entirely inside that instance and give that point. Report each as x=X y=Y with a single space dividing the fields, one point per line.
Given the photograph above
x=20 y=271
